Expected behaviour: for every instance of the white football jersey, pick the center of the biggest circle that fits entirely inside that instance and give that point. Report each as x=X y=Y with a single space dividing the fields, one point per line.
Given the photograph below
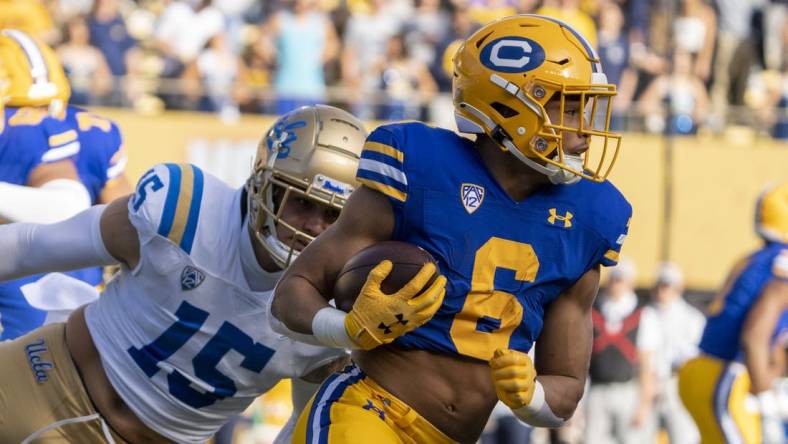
x=183 y=339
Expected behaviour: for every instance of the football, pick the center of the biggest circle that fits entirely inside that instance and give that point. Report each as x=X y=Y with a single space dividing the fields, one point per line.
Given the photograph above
x=407 y=259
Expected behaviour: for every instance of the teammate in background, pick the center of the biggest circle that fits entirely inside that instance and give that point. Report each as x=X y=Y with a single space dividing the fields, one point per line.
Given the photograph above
x=39 y=181
x=178 y=342
x=743 y=344
x=38 y=95
x=516 y=233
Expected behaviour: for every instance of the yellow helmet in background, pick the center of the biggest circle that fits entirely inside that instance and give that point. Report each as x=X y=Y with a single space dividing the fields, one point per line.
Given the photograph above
x=507 y=71
x=771 y=213
x=35 y=74
x=309 y=153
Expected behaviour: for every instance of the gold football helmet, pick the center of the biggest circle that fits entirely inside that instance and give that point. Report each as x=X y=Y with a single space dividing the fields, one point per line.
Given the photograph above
x=507 y=71
x=35 y=74
x=771 y=213
x=311 y=153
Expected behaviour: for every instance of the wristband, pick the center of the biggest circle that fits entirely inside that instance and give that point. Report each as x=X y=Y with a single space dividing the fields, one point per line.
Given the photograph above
x=538 y=413
x=328 y=327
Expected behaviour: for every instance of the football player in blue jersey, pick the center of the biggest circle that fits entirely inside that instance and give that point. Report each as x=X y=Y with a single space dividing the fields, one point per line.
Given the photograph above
x=743 y=344
x=520 y=221
x=180 y=339
x=38 y=96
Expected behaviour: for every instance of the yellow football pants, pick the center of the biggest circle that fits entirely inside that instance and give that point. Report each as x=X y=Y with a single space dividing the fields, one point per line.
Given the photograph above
x=714 y=392
x=351 y=408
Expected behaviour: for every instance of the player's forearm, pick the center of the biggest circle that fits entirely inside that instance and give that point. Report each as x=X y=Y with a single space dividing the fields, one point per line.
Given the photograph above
x=69 y=245
x=562 y=393
x=296 y=301
x=756 y=358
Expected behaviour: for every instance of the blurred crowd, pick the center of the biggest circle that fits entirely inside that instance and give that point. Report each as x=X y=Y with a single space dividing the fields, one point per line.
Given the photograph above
x=681 y=65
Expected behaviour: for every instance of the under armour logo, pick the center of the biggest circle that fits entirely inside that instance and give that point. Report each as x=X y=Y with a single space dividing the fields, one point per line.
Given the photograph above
x=554 y=216
x=387 y=328
x=372 y=407
x=191 y=278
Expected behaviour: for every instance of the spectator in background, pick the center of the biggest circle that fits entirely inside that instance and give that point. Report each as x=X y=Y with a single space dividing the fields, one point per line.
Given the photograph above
x=425 y=29
x=734 y=56
x=485 y=11
x=622 y=380
x=569 y=11
x=405 y=81
x=365 y=40
x=614 y=55
x=85 y=66
x=695 y=31
x=301 y=40
x=182 y=31
x=681 y=326
x=683 y=92
x=217 y=67
x=108 y=33
x=255 y=78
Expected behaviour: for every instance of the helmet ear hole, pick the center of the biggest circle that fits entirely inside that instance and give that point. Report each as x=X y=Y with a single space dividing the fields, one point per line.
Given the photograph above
x=505 y=111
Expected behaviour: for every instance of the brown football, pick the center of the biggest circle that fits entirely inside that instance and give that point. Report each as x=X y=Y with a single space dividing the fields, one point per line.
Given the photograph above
x=407 y=259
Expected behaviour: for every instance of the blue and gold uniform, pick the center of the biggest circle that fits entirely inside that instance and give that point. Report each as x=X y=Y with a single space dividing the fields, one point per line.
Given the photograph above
x=30 y=138
x=504 y=260
x=715 y=385
x=95 y=145
x=101 y=158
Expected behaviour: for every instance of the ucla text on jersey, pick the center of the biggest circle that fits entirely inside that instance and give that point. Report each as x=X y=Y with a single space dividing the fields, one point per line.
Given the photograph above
x=504 y=260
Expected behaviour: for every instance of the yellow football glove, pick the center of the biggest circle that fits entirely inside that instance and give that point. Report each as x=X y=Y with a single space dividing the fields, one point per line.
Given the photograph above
x=514 y=376
x=378 y=318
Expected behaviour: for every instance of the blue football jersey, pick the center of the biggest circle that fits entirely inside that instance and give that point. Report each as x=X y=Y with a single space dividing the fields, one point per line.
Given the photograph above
x=504 y=260
x=722 y=335
x=101 y=157
x=30 y=138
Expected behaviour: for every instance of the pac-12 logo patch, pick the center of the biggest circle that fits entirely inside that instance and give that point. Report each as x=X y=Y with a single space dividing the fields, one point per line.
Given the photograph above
x=472 y=196
x=191 y=278
x=512 y=54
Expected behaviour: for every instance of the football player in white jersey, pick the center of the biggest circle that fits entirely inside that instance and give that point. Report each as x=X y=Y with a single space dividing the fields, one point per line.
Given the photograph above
x=179 y=340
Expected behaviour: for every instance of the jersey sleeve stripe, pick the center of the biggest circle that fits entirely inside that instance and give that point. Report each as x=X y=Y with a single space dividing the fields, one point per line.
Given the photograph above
x=171 y=201
x=61 y=152
x=382 y=148
x=382 y=158
x=610 y=258
x=194 y=211
x=117 y=169
x=62 y=138
x=187 y=208
x=380 y=168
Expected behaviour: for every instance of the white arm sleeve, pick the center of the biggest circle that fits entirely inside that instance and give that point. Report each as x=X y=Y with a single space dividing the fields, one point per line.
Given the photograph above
x=51 y=202
x=69 y=245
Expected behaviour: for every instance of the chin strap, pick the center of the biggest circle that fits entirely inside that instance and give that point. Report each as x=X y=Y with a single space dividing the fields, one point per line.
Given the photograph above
x=555 y=174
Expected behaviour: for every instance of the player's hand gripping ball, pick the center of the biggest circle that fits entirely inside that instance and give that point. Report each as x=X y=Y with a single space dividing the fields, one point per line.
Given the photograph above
x=401 y=292
x=514 y=376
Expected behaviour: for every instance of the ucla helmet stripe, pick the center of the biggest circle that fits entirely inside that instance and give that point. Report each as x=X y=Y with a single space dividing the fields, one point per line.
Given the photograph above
x=383 y=158
x=171 y=201
x=194 y=211
x=597 y=67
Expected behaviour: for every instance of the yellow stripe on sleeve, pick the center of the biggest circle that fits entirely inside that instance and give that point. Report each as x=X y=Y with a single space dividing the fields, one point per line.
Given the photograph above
x=184 y=203
x=385 y=189
x=612 y=255
x=62 y=138
x=385 y=149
